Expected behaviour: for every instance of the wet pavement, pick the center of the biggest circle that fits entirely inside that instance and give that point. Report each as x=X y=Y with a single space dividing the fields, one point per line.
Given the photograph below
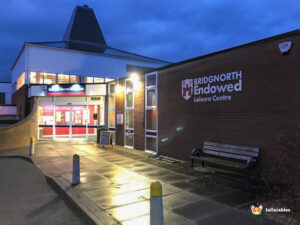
x=118 y=182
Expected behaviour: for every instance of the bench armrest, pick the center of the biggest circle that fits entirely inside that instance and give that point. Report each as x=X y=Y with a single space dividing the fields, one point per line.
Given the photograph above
x=197 y=152
x=253 y=162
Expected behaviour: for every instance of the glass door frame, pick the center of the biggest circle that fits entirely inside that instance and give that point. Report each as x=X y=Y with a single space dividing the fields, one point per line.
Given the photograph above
x=70 y=138
x=129 y=130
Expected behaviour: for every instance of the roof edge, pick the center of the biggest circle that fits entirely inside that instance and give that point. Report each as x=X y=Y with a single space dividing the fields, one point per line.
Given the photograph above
x=260 y=41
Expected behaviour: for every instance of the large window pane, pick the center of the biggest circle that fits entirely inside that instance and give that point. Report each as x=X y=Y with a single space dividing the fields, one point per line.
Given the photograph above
x=129 y=140
x=151 y=119
x=151 y=144
x=49 y=78
x=129 y=100
x=111 y=88
x=129 y=119
x=112 y=119
x=63 y=79
x=129 y=86
x=36 y=78
x=98 y=80
x=151 y=98
x=74 y=79
x=111 y=102
x=21 y=80
x=151 y=80
x=46 y=113
x=88 y=80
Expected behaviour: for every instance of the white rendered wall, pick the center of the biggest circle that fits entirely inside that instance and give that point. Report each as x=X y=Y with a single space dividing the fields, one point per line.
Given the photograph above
x=54 y=60
x=19 y=67
x=6 y=88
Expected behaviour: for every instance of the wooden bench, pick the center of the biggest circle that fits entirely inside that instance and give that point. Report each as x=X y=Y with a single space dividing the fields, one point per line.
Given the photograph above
x=234 y=156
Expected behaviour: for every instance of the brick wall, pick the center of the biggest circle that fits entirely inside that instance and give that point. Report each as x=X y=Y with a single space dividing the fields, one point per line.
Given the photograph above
x=267 y=106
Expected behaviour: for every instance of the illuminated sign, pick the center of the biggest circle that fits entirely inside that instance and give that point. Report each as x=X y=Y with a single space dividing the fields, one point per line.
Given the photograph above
x=66 y=90
x=212 y=88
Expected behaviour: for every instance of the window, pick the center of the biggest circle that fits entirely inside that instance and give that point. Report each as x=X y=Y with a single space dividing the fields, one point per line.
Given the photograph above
x=151 y=98
x=111 y=88
x=2 y=98
x=88 y=80
x=42 y=78
x=129 y=86
x=151 y=80
x=63 y=79
x=151 y=119
x=151 y=112
x=49 y=78
x=74 y=79
x=98 y=80
x=36 y=78
x=21 y=80
x=129 y=100
x=111 y=106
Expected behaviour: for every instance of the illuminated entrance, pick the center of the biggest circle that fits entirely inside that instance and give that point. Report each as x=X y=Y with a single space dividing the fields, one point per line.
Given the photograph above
x=65 y=122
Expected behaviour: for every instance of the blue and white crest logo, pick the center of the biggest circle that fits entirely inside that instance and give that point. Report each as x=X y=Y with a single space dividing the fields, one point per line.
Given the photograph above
x=187 y=88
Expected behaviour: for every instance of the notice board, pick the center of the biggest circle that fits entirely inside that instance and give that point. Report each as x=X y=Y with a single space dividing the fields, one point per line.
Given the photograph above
x=105 y=138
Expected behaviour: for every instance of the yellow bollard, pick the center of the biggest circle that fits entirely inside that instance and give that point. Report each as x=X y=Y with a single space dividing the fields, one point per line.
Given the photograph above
x=31 y=146
x=76 y=170
x=156 y=204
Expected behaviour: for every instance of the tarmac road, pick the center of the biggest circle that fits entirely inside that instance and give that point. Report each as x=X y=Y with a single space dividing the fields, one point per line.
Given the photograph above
x=26 y=197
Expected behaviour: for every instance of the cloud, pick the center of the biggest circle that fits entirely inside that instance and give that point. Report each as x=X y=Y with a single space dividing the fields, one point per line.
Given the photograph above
x=169 y=30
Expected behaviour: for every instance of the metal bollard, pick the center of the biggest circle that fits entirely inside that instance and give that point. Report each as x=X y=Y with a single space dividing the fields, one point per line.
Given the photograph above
x=31 y=146
x=76 y=170
x=156 y=204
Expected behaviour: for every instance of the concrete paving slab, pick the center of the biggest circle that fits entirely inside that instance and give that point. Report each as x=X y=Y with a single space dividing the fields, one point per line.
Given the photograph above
x=210 y=190
x=235 y=198
x=130 y=211
x=196 y=210
x=178 y=199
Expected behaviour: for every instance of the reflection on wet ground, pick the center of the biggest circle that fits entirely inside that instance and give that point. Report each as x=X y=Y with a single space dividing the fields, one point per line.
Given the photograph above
x=118 y=181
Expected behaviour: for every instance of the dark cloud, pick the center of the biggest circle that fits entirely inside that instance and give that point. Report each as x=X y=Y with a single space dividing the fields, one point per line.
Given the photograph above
x=170 y=30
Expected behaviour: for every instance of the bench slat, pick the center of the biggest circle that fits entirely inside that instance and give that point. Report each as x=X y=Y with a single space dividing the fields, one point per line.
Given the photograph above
x=223 y=162
x=234 y=151
x=244 y=148
x=228 y=155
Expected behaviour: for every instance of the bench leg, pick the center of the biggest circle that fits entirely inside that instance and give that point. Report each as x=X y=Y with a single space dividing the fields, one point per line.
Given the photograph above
x=192 y=163
x=248 y=171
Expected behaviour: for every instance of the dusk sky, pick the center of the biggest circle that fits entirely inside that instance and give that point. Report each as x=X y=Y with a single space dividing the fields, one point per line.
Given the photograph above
x=171 y=30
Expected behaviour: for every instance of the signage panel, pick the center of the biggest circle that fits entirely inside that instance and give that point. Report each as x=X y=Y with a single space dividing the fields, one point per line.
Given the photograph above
x=66 y=90
x=95 y=89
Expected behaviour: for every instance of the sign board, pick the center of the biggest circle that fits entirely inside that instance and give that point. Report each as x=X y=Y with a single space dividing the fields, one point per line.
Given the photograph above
x=213 y=88
x=105 y=138
x=66 y=90
x=120 y=118
x=37 y=90
x=95 y=89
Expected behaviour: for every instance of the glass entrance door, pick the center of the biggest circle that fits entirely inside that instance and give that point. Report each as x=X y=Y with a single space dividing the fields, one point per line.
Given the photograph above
x=62 y=122
x=79 y=122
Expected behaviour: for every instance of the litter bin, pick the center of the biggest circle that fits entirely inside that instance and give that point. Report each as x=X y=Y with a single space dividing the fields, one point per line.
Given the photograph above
x=100 y=128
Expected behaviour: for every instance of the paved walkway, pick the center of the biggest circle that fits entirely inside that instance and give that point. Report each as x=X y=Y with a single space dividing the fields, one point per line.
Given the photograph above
x=117 y=181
